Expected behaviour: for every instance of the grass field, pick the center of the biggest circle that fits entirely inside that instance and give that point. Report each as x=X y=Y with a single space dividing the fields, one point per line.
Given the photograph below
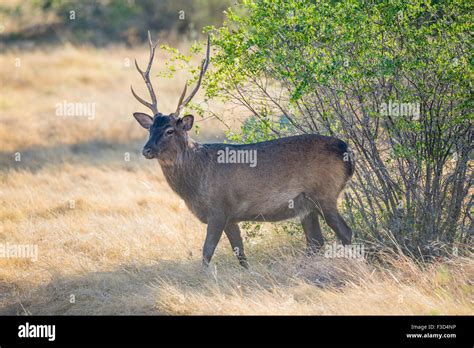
x=113 y=238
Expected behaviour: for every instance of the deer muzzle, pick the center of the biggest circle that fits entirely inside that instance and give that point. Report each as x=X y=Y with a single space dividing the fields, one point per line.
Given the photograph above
x=148 y=152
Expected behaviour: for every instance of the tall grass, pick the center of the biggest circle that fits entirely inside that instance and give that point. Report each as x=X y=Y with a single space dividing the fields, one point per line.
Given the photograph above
x=114 y=239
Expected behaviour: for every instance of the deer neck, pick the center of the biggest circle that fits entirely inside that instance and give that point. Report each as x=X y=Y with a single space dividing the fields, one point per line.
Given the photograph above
x=183 y=173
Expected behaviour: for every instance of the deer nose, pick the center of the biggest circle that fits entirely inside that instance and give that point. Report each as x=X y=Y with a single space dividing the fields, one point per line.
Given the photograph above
x=147 y=152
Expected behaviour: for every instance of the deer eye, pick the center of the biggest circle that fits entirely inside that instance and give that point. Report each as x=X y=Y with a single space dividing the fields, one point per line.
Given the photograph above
x=170 y=131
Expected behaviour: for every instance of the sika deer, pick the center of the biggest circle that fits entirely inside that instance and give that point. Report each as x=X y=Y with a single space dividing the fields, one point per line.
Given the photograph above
x=299 y=176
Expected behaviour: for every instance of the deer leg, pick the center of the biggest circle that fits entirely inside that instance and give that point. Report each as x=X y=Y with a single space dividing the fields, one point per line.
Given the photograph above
x=215 y=228
x=233 y=234
x=312 y=230
x=337 y=223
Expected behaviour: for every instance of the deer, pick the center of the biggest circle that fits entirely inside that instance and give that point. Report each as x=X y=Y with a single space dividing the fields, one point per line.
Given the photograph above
x=300 y=176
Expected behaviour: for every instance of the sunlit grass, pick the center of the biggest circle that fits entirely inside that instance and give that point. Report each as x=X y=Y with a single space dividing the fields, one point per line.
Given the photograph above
x=114 y=239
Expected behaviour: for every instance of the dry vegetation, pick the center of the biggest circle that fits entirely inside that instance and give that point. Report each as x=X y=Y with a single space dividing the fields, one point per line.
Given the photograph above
x=112 y=234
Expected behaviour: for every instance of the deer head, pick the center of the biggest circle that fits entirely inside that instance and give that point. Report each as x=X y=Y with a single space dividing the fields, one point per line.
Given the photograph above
x=167 y=133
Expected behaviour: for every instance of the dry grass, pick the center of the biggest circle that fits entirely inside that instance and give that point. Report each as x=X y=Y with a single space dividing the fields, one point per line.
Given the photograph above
x=113 y=238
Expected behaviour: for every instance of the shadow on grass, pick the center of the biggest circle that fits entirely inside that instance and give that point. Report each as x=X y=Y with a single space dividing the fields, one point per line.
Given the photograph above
x=136 y=289
x=96 y=152
x=126 y=290
x=93 y=152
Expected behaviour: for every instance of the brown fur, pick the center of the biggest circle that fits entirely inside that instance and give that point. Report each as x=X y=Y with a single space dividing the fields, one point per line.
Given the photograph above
x=300 y=176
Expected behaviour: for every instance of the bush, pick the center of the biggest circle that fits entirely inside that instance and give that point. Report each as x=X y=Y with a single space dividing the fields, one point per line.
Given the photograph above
x=392 y=78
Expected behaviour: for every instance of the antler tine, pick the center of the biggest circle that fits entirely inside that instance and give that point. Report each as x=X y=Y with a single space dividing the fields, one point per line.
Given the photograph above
x=204 y=66
x=183 y=94
x=153 y=106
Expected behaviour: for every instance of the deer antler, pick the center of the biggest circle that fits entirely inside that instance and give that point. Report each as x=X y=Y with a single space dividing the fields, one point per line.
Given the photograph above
x=204 y=65
x=153 y=106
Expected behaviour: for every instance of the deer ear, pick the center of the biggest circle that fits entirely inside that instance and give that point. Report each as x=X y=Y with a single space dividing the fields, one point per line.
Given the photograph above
x=186 y=122
x=144 y=120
